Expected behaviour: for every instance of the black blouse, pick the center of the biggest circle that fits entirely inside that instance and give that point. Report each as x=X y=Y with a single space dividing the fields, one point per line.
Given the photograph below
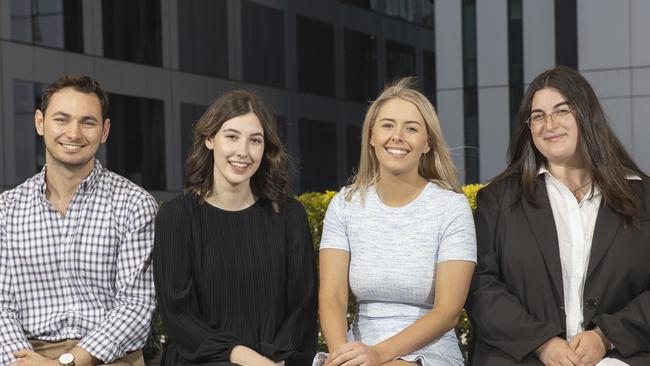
x=228 y=278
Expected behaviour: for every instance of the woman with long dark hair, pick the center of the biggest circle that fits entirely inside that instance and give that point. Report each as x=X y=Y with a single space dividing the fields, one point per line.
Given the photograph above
x=563 y=273
x=233 y=257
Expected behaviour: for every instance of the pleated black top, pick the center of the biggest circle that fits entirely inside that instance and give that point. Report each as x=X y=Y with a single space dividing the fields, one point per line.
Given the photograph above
x=227 y=278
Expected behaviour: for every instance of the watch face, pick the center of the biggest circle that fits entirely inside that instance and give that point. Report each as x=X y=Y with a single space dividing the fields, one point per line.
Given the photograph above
x=66 y=359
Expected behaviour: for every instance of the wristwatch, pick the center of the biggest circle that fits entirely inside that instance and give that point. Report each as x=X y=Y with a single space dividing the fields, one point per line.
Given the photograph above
x=66 y=359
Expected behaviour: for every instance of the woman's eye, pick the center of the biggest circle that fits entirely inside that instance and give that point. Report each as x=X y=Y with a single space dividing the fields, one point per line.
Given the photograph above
x=256 y=141
x=231 y=137
x=412 y=129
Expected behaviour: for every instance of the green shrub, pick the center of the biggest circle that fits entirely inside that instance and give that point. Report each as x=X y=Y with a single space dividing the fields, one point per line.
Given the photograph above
x=316 y=206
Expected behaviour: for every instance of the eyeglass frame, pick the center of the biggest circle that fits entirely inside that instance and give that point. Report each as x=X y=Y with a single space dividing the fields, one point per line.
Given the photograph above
x=555 y=111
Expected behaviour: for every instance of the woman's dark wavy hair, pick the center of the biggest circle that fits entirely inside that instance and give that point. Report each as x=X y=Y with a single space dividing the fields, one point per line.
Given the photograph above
x=603 y=153
x=271 y=180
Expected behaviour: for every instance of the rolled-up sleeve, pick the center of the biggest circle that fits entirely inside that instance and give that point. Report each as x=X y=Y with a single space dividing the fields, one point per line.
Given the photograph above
x=126 y=325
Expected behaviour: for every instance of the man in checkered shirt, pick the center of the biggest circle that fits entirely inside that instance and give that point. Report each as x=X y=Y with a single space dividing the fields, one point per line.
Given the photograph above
x=76 y=284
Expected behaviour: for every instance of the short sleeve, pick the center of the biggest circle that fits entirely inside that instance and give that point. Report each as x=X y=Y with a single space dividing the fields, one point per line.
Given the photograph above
x=335 y=234
x=457 y=232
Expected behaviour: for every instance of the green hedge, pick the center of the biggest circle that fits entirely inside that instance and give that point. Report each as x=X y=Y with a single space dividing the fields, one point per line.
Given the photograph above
x=316 y=206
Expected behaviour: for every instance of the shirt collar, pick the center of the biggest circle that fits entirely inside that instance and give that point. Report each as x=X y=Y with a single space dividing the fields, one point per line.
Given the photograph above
x=543 y=170
x=86 y=185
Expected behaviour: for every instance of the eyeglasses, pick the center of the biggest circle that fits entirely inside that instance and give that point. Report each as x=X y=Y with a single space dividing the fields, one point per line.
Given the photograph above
x=558 y=115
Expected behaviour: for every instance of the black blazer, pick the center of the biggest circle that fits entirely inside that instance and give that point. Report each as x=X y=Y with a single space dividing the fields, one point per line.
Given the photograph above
x=516 y=300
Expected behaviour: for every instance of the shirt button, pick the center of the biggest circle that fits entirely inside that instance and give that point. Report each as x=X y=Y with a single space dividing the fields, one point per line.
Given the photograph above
x=591 y=304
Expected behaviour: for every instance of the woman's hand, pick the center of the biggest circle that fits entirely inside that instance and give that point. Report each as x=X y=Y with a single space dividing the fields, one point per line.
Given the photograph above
x=557 y=352
x=589 y=346
x=245 y=356
x=354 y=353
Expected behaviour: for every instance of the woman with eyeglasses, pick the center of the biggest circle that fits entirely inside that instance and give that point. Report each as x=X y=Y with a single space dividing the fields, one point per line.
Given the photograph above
x=563 y=273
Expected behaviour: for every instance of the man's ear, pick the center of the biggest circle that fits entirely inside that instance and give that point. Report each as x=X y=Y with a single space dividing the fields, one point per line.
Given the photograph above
x=106 y=129
x=38 y=122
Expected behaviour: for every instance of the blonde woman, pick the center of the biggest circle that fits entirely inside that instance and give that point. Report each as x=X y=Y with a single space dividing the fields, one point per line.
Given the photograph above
x=401 y=236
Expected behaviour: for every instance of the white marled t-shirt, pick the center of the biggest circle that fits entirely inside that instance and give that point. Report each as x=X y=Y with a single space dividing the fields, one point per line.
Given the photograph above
x=393 y=257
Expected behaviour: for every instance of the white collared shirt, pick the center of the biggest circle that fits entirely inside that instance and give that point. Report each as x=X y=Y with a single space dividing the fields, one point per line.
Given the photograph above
x=575 y=223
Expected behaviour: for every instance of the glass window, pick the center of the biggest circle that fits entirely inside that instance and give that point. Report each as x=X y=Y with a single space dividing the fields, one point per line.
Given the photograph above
x=353 y=142
x=470 y=92
x=136 y=144
x=413 y=11
x=132 y=31
x=400 y=60
x=360 y=3
x=315 y=43
x=427 y=17
x=190 y=114
x=263 y=44
x=360 y=66
x=566 y=33
x=203 y=37
x=283 y=129
x=50 y=23
x=516 y=59
x=30 y=152
x=429 y=83
x=318 y=156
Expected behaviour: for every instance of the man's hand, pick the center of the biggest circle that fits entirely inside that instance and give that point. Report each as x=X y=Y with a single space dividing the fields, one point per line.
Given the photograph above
x=556 y=352
x=26 y=357
x=354 y=353
x=589 y=346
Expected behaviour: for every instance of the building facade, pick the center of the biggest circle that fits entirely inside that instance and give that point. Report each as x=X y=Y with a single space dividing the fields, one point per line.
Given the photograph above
x=317 y=62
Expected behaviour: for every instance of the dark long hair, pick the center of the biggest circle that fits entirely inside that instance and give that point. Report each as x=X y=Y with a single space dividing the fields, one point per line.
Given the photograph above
x=271 y=180
x=603 y=153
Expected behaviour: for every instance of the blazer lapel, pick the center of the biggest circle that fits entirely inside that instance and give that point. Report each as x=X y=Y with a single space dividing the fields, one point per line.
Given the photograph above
x=540 y=219
x=608 y=223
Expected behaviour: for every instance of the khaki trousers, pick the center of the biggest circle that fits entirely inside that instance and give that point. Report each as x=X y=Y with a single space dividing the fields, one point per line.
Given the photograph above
x=53 y=350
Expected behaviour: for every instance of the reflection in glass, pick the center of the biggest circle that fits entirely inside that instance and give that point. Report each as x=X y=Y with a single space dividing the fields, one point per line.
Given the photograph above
x=190 y=114
x=136 y=145
x=50 y=23
x=360 y=66
x=353 y=142
x=429 y=75
x=470 y=92
x=318 y=156
x=315 y=52
x=413 y=11
x=132 y=31
x=400 y=60
x=263 y=44
x=203 y=37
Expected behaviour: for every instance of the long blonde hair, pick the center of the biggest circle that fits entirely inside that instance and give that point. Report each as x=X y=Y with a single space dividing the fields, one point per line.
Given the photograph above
x=435 y=166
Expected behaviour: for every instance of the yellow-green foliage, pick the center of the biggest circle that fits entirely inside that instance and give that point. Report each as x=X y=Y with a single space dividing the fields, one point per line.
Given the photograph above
x=316 y=204
x=470 y=191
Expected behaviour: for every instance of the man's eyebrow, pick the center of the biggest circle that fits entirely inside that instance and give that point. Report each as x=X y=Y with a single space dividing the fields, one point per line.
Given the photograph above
x=61 y=113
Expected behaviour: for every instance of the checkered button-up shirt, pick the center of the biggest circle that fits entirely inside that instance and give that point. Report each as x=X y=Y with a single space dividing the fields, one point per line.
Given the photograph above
x=86 y=275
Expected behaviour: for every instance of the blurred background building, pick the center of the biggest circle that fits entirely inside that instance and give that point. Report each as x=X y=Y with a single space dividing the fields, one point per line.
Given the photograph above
x=317 y=62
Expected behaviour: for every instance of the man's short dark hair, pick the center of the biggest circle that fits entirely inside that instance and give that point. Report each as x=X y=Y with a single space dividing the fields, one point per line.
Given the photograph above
x=80 y=83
